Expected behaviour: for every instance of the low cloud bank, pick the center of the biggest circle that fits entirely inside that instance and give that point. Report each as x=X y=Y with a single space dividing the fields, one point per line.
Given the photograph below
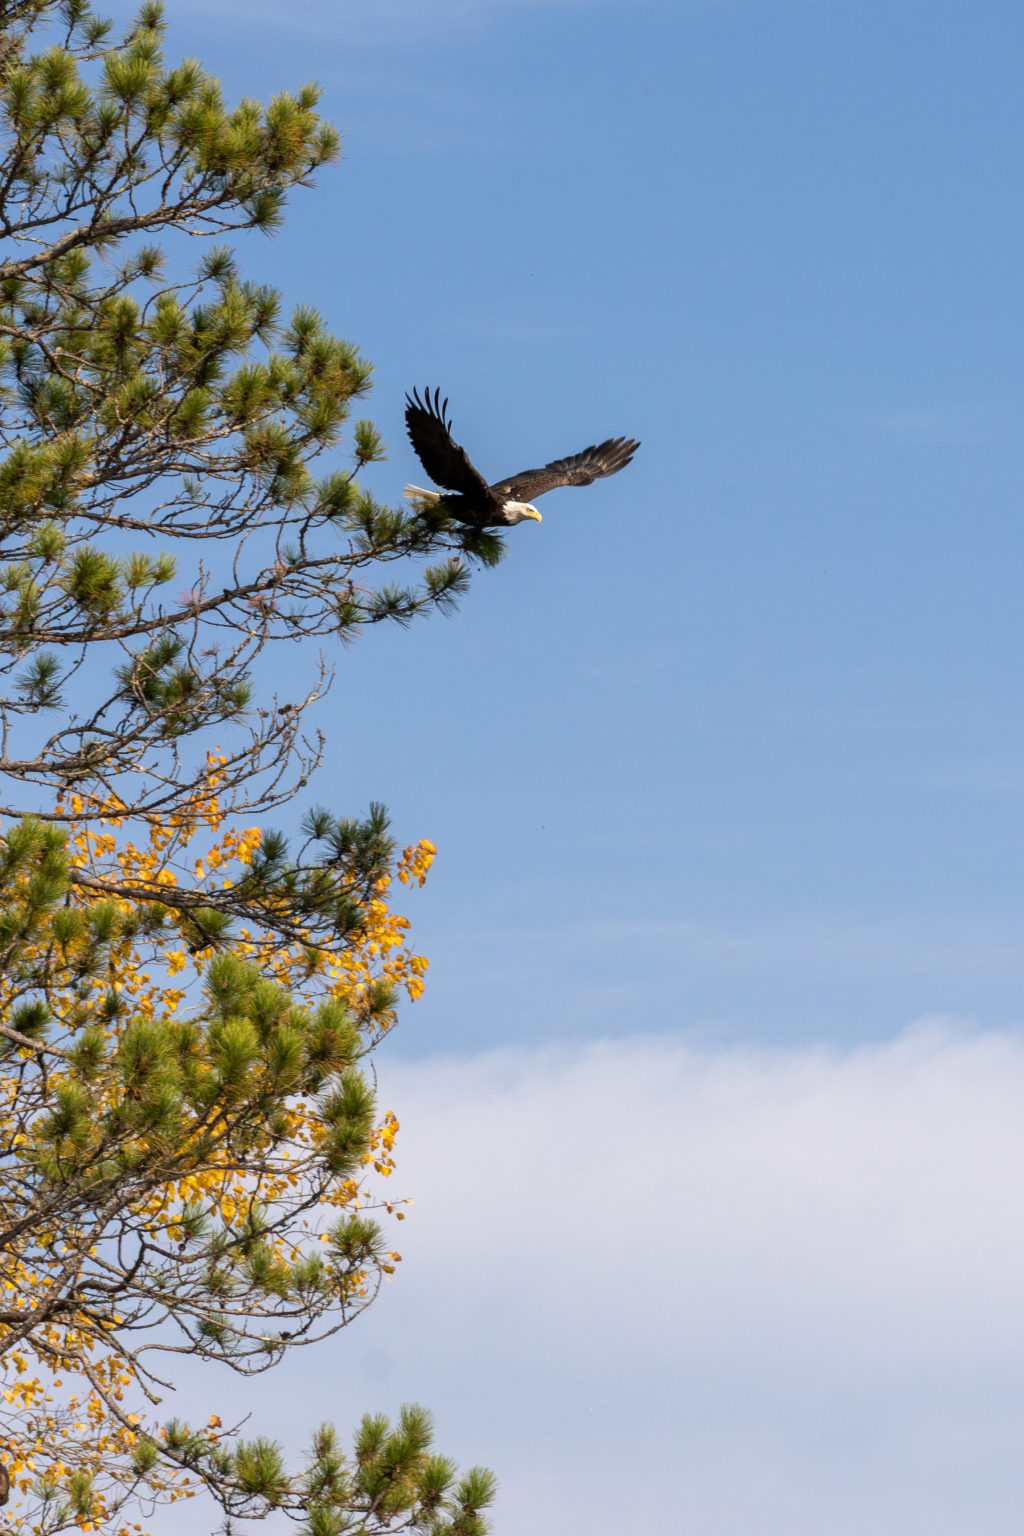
x=727 y=1292
x=697 y=1202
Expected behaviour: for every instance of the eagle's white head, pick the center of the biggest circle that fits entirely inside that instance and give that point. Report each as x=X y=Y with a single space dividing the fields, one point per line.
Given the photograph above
x=519 y=511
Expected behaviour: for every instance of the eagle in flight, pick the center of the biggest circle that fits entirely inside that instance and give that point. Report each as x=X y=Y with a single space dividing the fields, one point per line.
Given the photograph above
x=507 y=502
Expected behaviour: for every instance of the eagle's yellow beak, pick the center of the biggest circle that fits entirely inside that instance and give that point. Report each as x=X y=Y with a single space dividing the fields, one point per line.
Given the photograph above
x=534 y=515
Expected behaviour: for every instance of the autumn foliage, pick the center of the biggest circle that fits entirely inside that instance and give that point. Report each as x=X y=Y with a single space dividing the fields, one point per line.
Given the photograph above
x=192 y=1156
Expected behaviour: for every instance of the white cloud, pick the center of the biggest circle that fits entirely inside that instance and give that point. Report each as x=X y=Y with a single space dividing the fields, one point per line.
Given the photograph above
x=746 y=1192
x=738 y=1293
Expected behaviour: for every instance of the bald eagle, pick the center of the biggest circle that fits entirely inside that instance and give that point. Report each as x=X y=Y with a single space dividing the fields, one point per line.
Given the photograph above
x=507 y=502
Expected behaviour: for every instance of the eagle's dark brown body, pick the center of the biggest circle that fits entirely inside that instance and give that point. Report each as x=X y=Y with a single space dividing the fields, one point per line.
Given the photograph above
x=468 y=497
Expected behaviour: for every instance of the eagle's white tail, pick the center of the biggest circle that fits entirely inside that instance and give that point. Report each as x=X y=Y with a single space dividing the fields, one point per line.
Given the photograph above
x=417 y=493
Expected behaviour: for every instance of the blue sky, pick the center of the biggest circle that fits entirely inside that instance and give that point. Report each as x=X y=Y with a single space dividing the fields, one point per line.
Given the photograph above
x=754 y=702
x=725 y=763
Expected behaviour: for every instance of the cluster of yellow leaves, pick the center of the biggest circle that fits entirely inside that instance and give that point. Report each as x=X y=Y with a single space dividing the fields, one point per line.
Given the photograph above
x=414 y=865
x=60 y=1439
x=161 y=861
x=377 y=953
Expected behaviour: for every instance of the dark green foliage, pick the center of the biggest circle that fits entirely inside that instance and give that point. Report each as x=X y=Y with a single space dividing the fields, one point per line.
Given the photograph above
x=33 y=877
x=320 y=892
x=173 y=409
x=392 y=1481
x=161 y=1098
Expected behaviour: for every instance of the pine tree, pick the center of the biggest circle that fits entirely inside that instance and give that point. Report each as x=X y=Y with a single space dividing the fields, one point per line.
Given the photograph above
x=186 y=1129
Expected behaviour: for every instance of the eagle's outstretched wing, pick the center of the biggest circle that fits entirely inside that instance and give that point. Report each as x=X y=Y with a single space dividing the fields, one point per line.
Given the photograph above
x=445 y=462
x=606 y=458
